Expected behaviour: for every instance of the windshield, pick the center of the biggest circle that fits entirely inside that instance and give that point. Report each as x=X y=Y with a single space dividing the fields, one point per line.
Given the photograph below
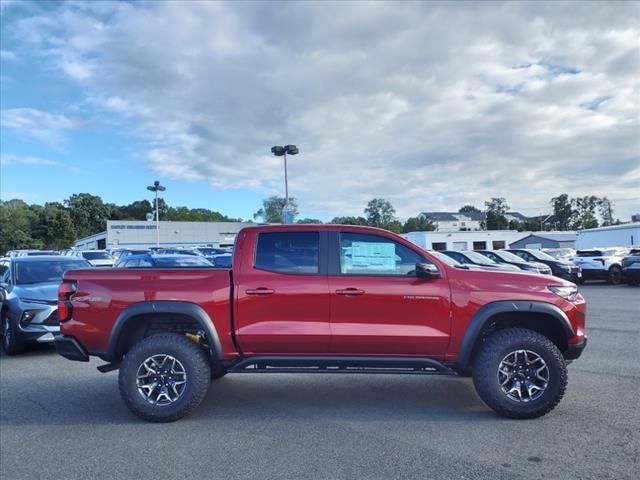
x=37 y=272
x=186 y=261
x=444 y=258
x=540 y=255
x=479 y=258
x=212 y=251
x=508 y=256
x=96 y=256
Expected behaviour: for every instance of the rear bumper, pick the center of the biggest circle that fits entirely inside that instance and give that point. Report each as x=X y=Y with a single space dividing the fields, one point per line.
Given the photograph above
x=575 y=350
x=69 y=348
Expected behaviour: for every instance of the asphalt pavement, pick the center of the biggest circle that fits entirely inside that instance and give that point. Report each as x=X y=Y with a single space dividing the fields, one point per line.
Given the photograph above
x=65 y=420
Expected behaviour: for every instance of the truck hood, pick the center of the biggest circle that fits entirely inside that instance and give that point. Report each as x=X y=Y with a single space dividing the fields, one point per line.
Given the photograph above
x=44 y=292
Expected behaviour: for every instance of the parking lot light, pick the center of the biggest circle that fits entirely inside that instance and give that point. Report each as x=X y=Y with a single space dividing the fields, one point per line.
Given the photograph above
x=156 y=187
x=280 y=151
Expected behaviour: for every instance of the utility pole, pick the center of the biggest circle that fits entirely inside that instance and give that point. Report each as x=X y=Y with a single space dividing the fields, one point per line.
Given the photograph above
x=156 y=187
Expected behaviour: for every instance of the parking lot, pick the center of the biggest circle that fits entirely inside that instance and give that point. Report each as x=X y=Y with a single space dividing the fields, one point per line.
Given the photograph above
x=62 y=419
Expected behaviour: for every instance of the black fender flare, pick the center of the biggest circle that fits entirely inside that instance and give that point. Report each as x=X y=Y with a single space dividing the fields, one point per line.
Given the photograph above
x=484 y=314
x=192 y=310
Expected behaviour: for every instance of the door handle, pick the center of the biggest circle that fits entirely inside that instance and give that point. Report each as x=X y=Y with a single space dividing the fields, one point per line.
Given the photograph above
x=260 y=291
x=350 y=292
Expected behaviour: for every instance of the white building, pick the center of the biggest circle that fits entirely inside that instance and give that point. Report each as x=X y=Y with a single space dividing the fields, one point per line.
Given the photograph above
x=625 y=235
x=468 y=221
x=479 y=240
x=142 y=234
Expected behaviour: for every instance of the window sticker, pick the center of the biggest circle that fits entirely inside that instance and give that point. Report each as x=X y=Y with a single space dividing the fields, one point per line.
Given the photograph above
x=369 y=255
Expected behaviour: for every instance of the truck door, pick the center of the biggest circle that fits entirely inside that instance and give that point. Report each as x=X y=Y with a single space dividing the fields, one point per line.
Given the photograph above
x=378 y=305
x=282 y=294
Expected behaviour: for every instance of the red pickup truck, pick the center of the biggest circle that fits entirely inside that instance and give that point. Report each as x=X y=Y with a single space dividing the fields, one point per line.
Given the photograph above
x=324 y=299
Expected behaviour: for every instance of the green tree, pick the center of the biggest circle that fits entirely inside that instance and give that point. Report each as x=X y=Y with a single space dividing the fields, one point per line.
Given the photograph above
x=562 y=212
x=496 y=209
x=349 y=221
x=137 y=210
x=17 y=221
x=309 y=221
x=380 y=213
x=271 y=211
x=605 y=208
x=55 y=227
x=418 y=224
x=469 y=209
x=88 y=213
x=585 y=212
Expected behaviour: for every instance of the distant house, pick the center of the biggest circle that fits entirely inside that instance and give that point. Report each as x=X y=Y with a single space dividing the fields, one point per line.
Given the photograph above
x=546 y=240
x=461 y=222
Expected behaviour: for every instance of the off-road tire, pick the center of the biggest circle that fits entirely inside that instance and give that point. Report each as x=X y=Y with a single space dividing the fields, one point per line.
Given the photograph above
x=11 y=342
x=485 y=372
x=196 y=366
x=614 y=275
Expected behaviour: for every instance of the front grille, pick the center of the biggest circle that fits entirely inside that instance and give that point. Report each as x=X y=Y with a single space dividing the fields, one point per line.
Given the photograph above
x=52 y=320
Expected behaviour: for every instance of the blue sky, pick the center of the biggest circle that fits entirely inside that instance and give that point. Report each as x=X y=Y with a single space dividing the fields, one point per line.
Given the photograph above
x=429 y=105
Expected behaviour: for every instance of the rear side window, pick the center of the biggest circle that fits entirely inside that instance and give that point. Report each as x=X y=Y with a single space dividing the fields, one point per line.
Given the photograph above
x=288 y=252
x=364 y=254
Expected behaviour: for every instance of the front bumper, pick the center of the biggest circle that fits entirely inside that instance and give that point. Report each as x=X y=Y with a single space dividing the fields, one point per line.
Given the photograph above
x=575 y=350
x=630 y=275
x=69 y=348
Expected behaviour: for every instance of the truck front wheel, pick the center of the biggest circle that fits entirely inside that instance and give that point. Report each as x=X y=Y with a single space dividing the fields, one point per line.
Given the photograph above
x=164 y=377
x=520 y=373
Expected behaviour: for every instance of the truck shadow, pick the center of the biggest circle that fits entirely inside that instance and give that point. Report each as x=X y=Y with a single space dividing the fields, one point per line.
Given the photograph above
x=74 y=398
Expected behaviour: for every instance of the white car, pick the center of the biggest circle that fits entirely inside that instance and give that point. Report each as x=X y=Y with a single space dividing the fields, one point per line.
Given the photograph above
x=601 y=264
x=97 y=258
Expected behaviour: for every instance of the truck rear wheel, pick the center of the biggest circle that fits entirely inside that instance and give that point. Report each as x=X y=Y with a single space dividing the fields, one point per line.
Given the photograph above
x=520 y=373
x=164 y=377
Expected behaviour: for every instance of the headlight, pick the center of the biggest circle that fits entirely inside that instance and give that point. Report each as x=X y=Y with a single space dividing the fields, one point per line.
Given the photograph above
x=569 y=293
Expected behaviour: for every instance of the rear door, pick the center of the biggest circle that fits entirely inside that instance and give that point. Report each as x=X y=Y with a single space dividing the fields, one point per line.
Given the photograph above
x=378 y=305
x=282 y=293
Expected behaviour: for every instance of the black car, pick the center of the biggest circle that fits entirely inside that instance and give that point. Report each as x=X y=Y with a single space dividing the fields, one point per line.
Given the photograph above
x=29 y=289
x=509 y=258
x=567 y=270
x=162 y=261
x=475 y=258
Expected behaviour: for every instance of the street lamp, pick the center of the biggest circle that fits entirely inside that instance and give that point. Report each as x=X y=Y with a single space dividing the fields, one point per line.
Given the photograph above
x=279 y=151
x=156 y=187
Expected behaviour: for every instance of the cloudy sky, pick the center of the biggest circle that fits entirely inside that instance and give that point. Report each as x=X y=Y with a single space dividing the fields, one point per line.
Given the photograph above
x=430 y=105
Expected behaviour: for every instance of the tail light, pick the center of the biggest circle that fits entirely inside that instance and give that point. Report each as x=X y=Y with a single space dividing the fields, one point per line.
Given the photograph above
x=65 y=308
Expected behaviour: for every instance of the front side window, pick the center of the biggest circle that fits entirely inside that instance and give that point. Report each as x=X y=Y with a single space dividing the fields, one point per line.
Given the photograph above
x=364 y=254
x=288 y=252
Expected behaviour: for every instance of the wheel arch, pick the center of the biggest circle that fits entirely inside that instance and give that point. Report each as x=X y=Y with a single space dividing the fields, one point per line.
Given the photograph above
x=542 y=317
x=140 y=320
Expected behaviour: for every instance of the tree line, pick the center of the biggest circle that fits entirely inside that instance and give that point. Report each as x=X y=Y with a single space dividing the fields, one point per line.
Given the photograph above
x=56 y=225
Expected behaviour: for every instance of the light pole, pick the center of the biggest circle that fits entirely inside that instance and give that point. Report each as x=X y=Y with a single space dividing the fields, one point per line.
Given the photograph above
x=279 y=151
x=156 y=187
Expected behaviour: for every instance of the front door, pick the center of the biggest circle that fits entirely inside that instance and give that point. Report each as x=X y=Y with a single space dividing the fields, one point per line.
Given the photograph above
x=379 y=306
x=282 y=295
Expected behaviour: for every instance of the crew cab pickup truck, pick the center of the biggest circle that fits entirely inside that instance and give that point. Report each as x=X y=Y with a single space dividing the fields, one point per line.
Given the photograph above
x=324 y=299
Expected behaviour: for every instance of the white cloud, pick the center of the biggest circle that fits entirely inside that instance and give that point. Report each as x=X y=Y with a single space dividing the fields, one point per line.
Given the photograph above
x=9 y=160
x=429 y=105
x=43 y=126
x=7 y=56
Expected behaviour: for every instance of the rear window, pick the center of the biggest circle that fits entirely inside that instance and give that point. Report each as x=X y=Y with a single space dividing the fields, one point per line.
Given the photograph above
x=96 y=255
x=589 y=253
x=288 y=252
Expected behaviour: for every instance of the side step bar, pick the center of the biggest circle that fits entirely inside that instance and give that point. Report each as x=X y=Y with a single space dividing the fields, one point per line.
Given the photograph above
x=322 y=364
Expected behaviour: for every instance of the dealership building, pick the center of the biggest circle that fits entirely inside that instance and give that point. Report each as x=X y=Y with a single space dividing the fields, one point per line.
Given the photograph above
x=142 y=234
x=474 y=240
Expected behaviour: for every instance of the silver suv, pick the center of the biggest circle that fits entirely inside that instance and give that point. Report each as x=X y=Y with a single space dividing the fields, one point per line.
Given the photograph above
x=601 y=264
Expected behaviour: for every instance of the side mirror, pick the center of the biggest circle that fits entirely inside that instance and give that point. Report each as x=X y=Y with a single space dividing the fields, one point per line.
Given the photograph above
x=427 y=270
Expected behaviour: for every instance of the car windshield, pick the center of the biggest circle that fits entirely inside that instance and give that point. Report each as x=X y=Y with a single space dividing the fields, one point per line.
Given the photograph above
x=540 y=255
x=45 y=271
x=186 y=261
x=508 y=256
x=96 y=255
x=479 y=258
x=445 y=258
x=212 y=251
